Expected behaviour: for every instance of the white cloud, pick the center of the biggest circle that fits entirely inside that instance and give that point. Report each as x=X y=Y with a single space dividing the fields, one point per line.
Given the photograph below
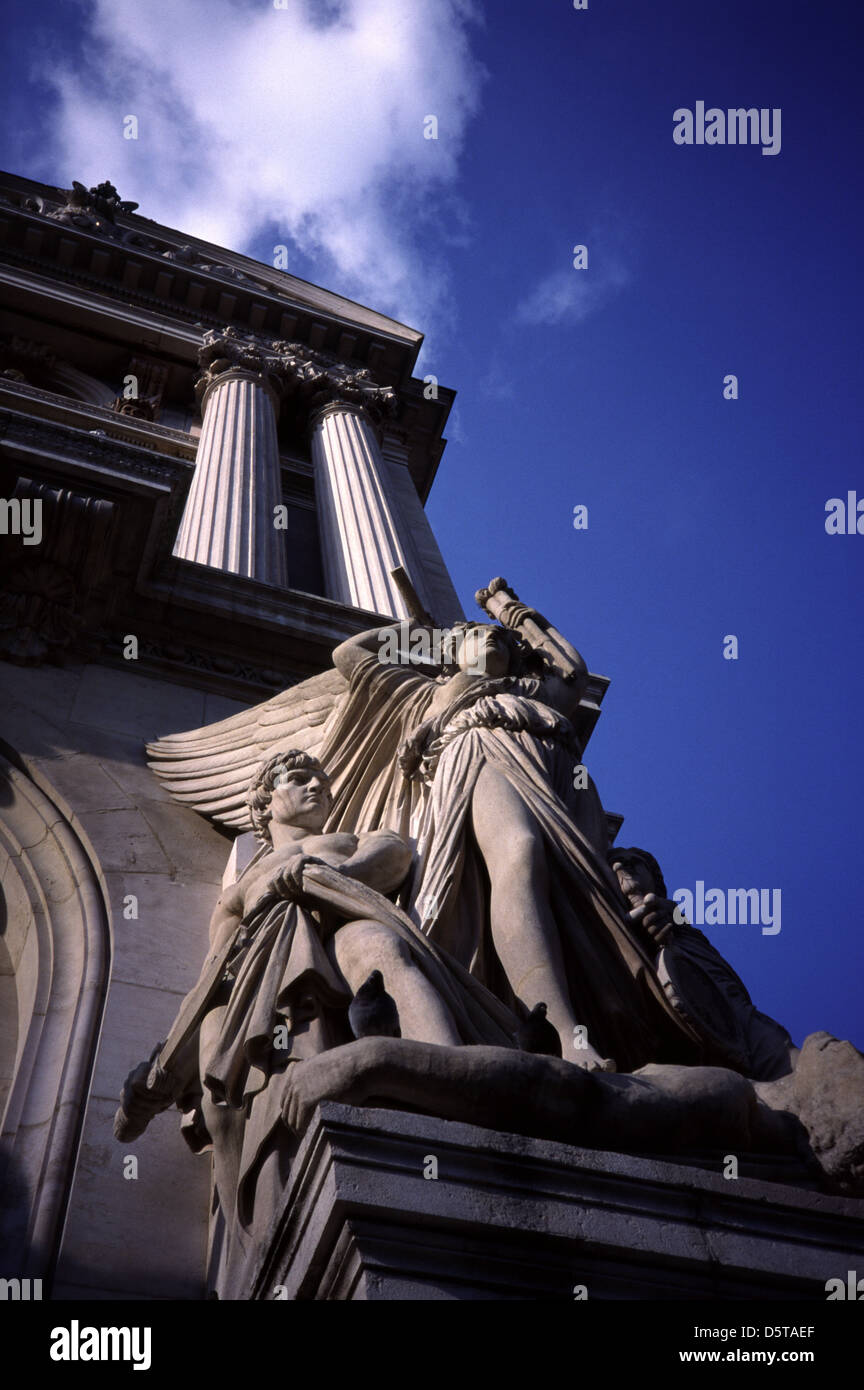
x=569 y=296
x=305 y=123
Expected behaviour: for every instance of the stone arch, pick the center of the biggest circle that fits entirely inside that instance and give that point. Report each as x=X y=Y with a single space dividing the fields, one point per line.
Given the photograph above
x=56 y=937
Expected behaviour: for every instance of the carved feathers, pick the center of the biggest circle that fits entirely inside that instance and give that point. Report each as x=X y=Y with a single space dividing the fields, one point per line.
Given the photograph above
x=210 y=768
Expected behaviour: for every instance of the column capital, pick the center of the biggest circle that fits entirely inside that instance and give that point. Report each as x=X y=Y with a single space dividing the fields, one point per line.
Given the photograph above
x=340 y=387
x=225 y=354
x=208 y=381
x=307 y=380
x=327 y=403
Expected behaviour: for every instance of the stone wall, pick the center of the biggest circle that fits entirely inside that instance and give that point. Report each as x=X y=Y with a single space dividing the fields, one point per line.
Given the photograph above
x=75 y=739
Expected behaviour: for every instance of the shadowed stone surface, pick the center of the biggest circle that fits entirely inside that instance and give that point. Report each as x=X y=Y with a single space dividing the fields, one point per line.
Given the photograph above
x=509 y=1217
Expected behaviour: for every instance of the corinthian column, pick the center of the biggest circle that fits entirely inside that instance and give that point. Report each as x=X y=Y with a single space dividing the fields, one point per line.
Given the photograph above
x=228 y=521
x=358 y=525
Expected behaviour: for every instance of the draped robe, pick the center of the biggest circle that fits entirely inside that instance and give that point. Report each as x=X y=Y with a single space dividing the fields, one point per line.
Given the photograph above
x=282 y=975
x=505 y=724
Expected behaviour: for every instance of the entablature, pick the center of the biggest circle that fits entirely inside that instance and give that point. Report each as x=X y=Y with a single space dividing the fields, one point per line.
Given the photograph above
x=84 y=267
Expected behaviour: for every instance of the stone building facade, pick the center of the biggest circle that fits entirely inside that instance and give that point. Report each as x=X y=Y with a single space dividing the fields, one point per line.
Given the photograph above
x=211 y=475
x=209 y=469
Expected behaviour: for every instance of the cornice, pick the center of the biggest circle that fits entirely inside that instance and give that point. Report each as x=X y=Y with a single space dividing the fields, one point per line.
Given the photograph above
x=94 y=307
x=128 y=280
x=190 y=265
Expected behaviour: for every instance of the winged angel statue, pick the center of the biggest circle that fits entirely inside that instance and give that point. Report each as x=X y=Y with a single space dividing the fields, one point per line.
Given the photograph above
x=473 y=766
x=427 y=830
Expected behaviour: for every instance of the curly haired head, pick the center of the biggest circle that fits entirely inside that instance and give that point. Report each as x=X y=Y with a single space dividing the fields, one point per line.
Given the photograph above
x=648 y=860
x=262 y=784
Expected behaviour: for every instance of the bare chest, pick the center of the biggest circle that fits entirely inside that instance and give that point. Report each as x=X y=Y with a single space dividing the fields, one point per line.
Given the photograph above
x=334 y=849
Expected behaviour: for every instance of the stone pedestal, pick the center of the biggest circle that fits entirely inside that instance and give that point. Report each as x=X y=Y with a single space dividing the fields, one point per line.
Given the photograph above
x=228 y=521
x=359 y=532
x=514 y=1218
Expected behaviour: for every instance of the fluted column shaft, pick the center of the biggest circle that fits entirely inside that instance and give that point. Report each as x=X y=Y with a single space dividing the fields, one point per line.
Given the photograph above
x=228 y=521
x=358 y=526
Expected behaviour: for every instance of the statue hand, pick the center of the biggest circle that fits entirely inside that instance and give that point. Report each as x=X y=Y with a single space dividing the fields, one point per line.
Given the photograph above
x=287 y=883
x=146 y=1092
x=655 y=916
x=499 y=601
x=410 y=754
x=494 y=586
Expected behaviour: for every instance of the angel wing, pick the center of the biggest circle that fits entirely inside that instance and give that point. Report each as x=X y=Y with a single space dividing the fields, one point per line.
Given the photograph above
x=210 y=768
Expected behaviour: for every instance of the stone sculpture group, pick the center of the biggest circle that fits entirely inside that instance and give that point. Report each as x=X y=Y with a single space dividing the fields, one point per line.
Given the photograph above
x=423 y=821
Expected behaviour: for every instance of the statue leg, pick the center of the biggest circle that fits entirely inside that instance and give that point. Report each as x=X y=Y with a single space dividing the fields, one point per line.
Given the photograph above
x=524 y=930
x=363 y=946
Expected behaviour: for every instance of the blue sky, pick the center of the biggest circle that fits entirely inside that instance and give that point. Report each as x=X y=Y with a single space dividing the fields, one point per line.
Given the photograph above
x=601 y=387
